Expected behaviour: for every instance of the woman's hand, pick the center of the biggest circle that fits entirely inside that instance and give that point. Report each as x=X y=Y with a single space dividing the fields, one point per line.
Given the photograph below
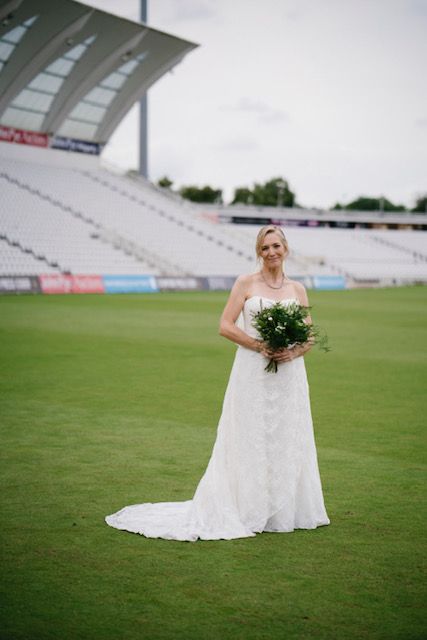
x=285 y=355
x=260 y=347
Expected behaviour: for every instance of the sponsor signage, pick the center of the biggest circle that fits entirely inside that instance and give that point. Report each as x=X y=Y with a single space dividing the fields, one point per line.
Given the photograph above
x=130 y=284
x=61 y=283
x=21 y=136
x=329 y=282
x=87 y=284
x=290 y=222
x=249 y=220
x=71 y=144
x=220 y=283
x=180 y=283
x=55 y=283
x=19 y=284
x=58 y=283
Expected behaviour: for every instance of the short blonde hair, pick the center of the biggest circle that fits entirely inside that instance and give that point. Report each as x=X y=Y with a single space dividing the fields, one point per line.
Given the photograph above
x=264 y=231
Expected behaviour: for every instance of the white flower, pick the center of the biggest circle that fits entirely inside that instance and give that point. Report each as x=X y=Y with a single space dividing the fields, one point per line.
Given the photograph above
x=270 y=318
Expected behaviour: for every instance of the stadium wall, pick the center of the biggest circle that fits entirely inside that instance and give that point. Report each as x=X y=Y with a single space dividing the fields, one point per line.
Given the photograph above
x=110 y=284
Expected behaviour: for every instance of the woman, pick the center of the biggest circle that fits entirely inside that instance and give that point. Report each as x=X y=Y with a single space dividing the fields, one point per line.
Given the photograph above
x=263 y=474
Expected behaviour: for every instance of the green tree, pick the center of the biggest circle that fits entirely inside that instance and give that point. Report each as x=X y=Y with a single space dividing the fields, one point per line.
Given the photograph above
x=365 y=203
x=165 y=183
x=273 y=193
x=243 y=195
x=420 y=205
x=201 y=194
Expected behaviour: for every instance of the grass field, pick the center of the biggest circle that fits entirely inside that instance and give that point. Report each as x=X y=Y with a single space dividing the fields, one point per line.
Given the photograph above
x=108 y=401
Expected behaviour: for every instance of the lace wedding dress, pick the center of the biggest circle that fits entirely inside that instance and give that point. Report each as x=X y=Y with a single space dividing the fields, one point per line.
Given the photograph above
x=263 y=474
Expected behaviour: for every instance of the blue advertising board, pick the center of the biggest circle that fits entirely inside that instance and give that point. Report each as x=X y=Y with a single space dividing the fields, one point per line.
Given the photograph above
x=329 y=282
x=129 y=284
x=71 y=144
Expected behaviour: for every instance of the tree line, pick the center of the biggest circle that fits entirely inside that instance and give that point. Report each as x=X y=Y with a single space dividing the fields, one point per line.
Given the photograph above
x=277 y=193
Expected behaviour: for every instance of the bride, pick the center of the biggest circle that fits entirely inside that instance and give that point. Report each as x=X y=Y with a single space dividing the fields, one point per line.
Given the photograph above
x=263 y=473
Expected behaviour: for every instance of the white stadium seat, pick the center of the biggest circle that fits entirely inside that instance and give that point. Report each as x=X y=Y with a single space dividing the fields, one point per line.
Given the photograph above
x=60 y=218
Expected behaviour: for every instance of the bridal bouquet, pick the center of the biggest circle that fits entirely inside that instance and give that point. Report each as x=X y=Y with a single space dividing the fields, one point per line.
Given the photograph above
x=284 y=327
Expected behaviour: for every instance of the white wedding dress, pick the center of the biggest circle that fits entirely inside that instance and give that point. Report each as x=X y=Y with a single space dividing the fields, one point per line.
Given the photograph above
x=263 y=474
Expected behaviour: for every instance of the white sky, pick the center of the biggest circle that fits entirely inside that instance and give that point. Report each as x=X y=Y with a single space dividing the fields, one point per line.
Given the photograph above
x=330 y=94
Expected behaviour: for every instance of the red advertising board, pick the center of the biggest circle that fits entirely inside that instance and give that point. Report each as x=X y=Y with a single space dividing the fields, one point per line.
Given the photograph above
x=59 y=283
x=21 y=136
x=87 y=284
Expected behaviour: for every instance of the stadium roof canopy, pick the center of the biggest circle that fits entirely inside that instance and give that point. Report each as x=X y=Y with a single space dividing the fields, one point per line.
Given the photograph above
x=70 y=70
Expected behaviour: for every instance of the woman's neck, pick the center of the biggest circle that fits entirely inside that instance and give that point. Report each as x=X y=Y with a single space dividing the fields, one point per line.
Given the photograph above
x=273 y=273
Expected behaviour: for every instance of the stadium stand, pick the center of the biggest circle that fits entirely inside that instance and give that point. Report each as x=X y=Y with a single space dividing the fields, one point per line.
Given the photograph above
x=66 y=214
x=68 y=75
x=359 y=254
x=93 y=208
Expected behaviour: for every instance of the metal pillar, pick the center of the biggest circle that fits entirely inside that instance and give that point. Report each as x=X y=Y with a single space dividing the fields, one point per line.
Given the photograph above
x=143 y=114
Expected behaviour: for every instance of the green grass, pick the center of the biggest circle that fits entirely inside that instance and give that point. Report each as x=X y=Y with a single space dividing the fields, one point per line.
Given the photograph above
x=108 y=401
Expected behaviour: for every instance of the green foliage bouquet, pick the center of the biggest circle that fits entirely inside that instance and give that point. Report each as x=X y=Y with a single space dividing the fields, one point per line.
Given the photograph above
x=285 y=326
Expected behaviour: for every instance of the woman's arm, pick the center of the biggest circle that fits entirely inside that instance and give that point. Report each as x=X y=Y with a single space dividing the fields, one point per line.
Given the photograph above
x=227 y=324
x=303 y=299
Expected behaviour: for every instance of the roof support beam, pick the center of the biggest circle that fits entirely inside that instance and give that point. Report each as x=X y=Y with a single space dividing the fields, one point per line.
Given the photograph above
x=8 y=7
x=40 y=45
x=103 y=57
x=164 y=55
x=107 y=43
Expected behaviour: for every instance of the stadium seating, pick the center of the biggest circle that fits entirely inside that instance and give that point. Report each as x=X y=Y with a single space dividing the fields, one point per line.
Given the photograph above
x=73 y=204
x=70 y=217
x=16 y=260
x=360 y=254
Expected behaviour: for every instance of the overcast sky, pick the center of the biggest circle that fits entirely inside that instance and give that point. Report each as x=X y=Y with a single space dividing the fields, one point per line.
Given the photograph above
x=329 y=94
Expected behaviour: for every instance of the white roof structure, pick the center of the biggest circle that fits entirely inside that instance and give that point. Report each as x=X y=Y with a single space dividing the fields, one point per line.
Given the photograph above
x=70 y=70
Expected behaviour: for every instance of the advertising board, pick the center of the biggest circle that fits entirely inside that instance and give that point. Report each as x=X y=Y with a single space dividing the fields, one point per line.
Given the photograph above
x=220 y=283
x=61 y=283
x=80 y=146
x=129 y=284
x=180 y=283
x=22 y=136
x=329 y=282
x=19 y=284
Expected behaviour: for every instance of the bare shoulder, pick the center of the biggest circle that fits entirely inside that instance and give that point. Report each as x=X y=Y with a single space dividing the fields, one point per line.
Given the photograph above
x=298 y=286
x=247 y=278
x=300 y=291
x=245 y=281
x=237 y=297
x=244 y=278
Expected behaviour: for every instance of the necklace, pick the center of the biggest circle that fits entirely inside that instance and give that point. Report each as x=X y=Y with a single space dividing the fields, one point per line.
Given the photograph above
x=270 y=285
